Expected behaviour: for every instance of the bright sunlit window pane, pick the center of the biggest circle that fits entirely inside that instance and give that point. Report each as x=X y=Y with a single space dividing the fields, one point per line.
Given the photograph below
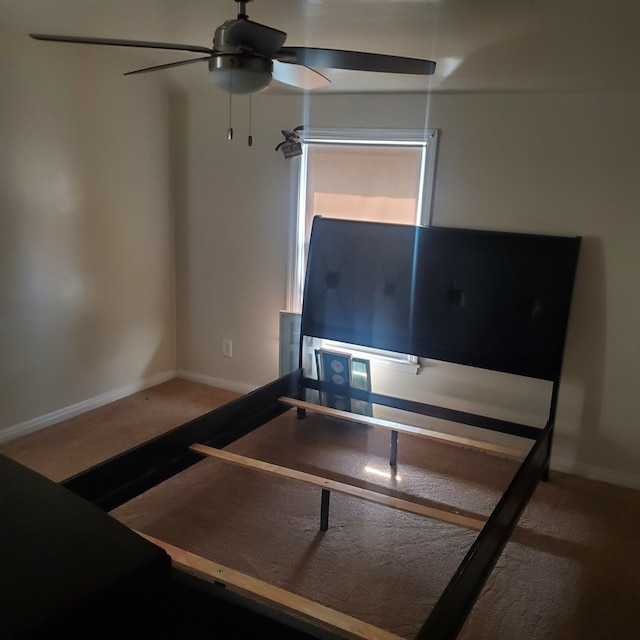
x=379 y=176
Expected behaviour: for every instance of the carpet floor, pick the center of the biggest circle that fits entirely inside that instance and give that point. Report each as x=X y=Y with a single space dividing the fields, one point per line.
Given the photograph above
x=571 y=570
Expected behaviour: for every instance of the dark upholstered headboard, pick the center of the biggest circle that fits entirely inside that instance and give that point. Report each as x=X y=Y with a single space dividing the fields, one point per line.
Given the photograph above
x=493 y=300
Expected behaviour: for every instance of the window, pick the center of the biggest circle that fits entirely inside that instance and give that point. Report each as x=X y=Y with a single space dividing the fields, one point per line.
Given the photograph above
x=363 y=174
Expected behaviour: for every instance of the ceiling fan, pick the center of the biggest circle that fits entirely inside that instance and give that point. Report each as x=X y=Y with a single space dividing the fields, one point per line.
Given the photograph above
x=246 y=56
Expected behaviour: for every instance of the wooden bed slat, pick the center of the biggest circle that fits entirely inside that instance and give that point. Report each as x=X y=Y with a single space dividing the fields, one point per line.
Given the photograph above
x=341 y=487
x=186 y=560
x=513 y=453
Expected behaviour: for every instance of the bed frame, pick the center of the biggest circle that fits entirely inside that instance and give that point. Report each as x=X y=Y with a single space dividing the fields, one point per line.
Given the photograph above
x=490 y=300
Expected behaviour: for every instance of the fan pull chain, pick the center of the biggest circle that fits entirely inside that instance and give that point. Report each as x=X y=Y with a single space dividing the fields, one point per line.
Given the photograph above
x=250 y=138
x=230 y=129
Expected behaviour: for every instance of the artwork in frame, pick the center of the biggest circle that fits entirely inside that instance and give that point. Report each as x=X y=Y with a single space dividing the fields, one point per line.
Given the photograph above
x=361 y=379
x=343 y=370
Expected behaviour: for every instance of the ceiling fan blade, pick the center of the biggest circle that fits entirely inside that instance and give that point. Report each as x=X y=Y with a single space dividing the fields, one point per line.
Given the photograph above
x=253 y=36
x=355 y=60
x=298 y=75
x=169 y=65
x=122 y=43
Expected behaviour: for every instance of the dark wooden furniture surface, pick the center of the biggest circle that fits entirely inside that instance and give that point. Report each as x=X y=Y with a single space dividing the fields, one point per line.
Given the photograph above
x=69 y=570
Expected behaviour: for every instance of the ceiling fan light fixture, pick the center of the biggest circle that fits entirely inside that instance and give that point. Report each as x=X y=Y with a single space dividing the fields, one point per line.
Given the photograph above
x=242 y=73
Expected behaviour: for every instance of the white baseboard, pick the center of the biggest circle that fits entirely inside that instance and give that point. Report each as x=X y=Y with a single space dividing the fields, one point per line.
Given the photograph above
x=35 y=424
x=593 y=472
x=229 y=385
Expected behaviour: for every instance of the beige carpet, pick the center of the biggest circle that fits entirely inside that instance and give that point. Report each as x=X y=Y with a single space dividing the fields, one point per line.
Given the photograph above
x=74 y=445
x=570 y=572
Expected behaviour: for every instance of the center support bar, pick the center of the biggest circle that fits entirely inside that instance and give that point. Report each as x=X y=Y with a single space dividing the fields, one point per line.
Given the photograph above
x=341 y=487
x=513 y=453
x=421 y=408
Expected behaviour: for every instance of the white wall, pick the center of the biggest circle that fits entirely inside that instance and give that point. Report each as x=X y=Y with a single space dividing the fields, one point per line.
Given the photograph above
x=87 y=270
x=233 y=238
x=541 y=163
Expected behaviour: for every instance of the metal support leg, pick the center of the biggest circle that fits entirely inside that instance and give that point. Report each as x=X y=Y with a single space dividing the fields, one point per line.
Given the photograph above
x=393 y=459
x=324 y=510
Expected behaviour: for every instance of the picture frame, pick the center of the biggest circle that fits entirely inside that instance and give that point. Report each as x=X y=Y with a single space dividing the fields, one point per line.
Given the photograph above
x=342 y=369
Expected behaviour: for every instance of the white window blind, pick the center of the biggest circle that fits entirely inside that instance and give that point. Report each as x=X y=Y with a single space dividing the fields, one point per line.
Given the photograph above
x=360 y=174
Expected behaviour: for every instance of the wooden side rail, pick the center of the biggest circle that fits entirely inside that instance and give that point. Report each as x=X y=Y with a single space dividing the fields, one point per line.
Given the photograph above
x=185 y=560
x=513 y=453
x=327 y=484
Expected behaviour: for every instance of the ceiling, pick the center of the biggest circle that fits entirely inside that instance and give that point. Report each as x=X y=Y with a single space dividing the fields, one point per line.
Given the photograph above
x=478 y=45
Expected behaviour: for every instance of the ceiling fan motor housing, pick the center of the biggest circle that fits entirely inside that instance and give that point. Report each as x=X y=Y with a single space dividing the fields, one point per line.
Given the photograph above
x=240 y=64
x=223 y=39
x=241 y=73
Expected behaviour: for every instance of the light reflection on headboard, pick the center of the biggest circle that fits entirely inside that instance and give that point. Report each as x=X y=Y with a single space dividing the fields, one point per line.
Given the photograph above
x=487 y=299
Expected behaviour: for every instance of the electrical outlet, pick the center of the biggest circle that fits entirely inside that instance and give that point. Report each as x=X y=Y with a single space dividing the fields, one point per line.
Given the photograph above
x=227 y=347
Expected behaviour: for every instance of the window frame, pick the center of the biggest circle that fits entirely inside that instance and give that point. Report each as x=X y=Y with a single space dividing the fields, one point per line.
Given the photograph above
x=427 y=139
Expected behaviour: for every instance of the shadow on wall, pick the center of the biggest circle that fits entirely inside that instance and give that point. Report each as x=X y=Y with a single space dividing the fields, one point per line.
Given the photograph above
x=580 y=437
